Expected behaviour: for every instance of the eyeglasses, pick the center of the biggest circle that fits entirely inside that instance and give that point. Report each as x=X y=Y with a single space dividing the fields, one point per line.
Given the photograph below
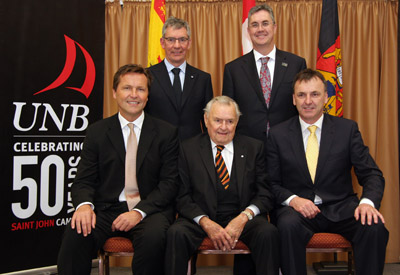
x=172 y=40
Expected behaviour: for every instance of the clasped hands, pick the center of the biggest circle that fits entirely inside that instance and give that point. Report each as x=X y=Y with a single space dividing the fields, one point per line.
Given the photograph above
x=224 y=239
x=84 y=220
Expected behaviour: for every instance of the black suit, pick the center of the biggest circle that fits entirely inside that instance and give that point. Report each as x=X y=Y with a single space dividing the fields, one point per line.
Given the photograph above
x=198 y=196
x=197 y=91
x=101 y=179
x=341 y=149
x=242 y=83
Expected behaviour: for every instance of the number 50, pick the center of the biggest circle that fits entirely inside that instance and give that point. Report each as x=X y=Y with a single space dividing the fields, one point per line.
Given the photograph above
x=30 y=183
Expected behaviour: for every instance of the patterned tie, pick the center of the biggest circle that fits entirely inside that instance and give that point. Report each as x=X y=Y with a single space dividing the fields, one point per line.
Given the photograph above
x=131 y=186
x=220 y=166
x=177 y=86
x=265 y=79
x=312 y=151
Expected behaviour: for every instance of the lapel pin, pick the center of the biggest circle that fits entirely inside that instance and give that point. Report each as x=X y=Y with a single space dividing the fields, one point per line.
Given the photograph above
x=242 y=156
x=191 y=76
x=284 y=64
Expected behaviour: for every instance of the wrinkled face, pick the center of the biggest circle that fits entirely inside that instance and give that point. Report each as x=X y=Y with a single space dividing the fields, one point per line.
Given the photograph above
x=176 y=42
x=310 y=98
x=131 y=95
x=221 y=123
x=261 y=29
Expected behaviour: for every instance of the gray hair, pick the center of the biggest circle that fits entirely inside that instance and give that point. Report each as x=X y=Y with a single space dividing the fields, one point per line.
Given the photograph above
x=224 y=100
x=263 y=7
x=175 y=23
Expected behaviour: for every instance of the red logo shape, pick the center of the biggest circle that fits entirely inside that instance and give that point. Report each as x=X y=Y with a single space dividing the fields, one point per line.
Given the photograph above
x=88 y=84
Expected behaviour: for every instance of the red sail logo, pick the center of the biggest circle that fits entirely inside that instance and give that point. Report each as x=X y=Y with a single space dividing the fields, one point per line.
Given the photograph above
x=88 y=84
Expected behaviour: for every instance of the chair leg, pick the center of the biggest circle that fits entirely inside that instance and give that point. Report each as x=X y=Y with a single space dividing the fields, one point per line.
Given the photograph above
x=350 y=263
x=101 y=264
x=106 y=265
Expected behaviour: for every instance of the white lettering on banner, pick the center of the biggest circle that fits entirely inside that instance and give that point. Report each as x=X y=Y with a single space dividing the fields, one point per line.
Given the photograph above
x=48 y=110
x=24 y=147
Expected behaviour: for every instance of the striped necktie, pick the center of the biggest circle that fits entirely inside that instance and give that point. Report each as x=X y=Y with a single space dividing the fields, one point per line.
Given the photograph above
x=220 y=166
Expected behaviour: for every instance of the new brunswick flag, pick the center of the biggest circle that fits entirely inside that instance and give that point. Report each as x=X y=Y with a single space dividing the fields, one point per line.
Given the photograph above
x=157 y=18
x=329 y=57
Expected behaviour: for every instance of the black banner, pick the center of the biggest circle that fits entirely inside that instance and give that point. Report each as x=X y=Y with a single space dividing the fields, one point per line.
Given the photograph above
x=52 y=72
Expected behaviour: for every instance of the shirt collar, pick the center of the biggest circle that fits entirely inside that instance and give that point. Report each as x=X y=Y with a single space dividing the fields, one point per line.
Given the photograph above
x=170 y=66
x=271 y=54
x=138 y=122
x=228 y=146
x=304 y=125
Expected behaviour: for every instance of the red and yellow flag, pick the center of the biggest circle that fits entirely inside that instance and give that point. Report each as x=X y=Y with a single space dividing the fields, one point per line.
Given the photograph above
x=329 y=57
x=157 y=18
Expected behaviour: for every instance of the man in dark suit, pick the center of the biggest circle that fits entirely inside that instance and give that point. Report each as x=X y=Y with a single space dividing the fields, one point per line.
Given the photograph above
x=227 y=206
x=179 y=100
x=310 y=158
x=99 y=192
x=262 y=108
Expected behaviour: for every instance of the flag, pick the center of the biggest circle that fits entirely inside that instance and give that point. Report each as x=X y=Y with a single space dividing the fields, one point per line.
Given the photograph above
x=329 y=57
x=157 y=18
x=246 y=42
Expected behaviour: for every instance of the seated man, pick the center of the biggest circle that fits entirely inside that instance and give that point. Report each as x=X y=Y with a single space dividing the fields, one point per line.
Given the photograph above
x=310 y=158
x=223 y=194
x=126 y=182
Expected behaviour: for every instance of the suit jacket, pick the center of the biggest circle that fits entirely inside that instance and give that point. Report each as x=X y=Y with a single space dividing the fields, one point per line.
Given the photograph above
x=341 y=149
x=198 y=190
x=242 y=83
x=197 y=91
x=101 y=172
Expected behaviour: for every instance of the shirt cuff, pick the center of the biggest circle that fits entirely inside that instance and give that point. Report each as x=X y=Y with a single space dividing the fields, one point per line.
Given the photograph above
x=197 y=219
x=287 y=201
x=254 y=208
x=141 y=213
x=85 y=203
x=367 y=201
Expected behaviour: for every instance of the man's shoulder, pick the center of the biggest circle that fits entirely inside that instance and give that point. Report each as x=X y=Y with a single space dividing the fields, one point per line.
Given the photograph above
x=197 y=70
x=100 y=124
x=289 y=55
x=240 y=59
x=159 y=124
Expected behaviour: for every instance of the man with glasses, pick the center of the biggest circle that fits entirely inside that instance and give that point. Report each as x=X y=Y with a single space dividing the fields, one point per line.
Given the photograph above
x=179 y=91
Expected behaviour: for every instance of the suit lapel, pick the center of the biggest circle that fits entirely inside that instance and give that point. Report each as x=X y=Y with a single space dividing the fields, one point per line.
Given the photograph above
x=240 y=155
x=280 y=69
x=327 y=136
x=190 y=79
x=250 y=70
x=298 y=147
x=208 y=159
x=114 y=133
x=161 y=74
x=147 y=136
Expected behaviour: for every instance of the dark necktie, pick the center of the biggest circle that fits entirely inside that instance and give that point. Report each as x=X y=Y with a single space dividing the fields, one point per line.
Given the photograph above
x=177 y=86
x=220 y=166
x=265 y=80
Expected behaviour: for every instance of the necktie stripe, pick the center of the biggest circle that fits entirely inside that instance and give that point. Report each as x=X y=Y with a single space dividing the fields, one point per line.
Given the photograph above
x=221 y=168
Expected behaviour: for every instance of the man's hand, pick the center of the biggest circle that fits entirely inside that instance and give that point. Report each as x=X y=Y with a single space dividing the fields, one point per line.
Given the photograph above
x=84 y=219
x=126 y=221
x=235 y=228
x=367 y=213
x=305 y=207
x=217 y=234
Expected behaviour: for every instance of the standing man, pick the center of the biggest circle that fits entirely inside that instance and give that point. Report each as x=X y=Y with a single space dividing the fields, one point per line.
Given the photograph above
x=261 y=81
x=126 y=181
x=223 y=194
x=179 y=91
x=310 y=158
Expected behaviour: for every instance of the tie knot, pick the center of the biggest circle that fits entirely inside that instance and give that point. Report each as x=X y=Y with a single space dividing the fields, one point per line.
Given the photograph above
x=176 y=71
x=312 y=129
x=264 y=60
x=130 y=125
x=220 y=148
